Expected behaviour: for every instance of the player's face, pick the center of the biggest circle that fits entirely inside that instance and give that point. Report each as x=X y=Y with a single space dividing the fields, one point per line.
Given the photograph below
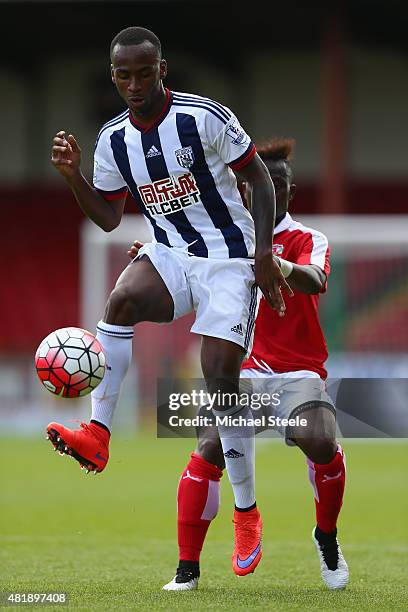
x=137 y=71
x=284 y=189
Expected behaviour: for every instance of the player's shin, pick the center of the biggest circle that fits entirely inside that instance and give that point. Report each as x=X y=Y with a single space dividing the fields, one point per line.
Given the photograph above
x=116 y=341
x=328 y=482
x=238 y=445
x=198 y=499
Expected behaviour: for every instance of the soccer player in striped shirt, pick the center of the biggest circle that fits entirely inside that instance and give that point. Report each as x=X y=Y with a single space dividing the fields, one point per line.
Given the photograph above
x=288 y=354
x=177 y=153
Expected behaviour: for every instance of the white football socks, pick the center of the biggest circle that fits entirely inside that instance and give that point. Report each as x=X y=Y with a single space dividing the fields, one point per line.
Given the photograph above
x=116 y=341
x=238 y=445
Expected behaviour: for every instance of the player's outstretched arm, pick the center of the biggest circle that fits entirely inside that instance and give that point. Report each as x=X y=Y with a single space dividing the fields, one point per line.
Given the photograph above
x=304 y=278
x=66 y=158
x=268 y=275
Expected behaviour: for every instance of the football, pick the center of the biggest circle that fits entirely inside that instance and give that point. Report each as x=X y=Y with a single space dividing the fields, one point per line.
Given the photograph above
x=70 y=362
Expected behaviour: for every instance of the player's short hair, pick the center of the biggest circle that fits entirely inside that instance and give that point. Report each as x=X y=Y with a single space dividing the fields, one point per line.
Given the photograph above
x=277 y=149
x=135 y=35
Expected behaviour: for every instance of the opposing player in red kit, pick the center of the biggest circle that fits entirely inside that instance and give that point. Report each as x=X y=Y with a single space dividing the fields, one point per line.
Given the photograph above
x=288 y=354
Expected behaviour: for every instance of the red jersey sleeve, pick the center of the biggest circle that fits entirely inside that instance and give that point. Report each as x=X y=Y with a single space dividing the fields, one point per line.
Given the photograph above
x=313 y=249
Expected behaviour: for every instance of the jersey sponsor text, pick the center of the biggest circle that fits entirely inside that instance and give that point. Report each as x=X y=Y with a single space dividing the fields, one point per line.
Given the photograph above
x=170 y=194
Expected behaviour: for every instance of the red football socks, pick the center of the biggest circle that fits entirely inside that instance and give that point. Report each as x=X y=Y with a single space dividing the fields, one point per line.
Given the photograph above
x=328 y=481
x=199 y=490
x=198 y=499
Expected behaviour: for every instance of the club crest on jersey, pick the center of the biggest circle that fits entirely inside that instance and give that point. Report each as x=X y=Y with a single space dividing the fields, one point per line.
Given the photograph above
x=185 y=157
x=277 y=249
x=170 y=194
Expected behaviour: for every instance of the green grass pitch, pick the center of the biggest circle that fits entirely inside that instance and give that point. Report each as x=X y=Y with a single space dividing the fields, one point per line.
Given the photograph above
x=110 y=540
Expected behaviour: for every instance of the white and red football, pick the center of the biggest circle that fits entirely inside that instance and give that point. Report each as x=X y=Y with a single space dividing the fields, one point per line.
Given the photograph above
x=70 y=362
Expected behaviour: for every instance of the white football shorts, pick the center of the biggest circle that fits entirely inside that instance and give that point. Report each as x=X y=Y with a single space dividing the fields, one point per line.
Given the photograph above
x=291 y=393
x=222 y=292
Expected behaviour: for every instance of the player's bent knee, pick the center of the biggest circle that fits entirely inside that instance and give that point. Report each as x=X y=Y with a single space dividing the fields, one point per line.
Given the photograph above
x=211 y=450
x=124 y=307
x=322 y=451
x=318 y=450
x=317 y=438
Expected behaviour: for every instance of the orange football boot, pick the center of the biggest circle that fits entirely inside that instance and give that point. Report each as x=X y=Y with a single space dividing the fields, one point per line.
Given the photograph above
x=88 y=445
x=248 y=547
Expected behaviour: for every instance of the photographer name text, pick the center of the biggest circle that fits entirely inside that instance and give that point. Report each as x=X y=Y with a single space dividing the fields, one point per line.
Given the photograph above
x=236 y=421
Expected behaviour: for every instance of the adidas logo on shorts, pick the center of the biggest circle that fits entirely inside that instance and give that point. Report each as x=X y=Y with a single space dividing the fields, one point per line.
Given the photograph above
x=238 y=329
x=233 y=454
x=153 y=152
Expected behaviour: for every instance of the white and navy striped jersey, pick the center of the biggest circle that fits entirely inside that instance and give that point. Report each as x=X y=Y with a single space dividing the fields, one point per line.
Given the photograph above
x=179 y=170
